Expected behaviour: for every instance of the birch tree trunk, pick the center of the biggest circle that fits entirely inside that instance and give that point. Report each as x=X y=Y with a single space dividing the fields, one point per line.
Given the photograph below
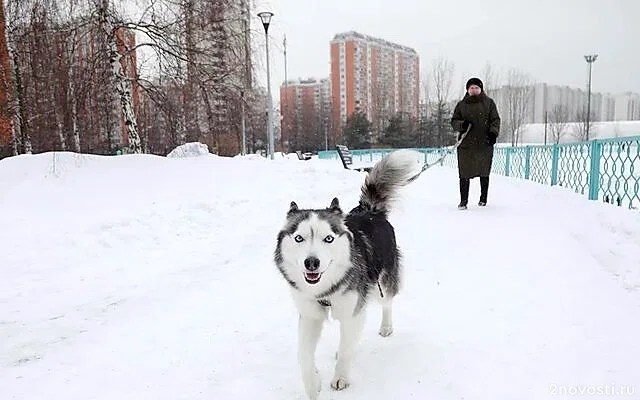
x=71 y=90
x=7 y=107
x=123 y=87
x=191 y=90
x=120 y=85
x=15 y=141
x=20 y=111
x=14 y=120
x=58 y=118
x=108 y=85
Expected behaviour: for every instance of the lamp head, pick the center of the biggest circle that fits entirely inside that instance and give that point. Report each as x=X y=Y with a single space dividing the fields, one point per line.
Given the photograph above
x=265 y=17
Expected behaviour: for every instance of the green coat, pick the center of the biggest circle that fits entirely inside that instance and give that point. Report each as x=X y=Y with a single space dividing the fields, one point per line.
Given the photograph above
x=475 y=155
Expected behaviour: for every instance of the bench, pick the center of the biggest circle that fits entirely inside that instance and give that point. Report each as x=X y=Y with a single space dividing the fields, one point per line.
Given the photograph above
x=303 y=156
x=347 y=159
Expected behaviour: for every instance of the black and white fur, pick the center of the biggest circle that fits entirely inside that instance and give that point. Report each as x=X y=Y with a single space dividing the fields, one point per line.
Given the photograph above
x=336 y=262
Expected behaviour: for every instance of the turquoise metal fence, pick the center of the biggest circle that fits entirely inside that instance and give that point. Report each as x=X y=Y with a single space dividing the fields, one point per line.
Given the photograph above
x=605 y=169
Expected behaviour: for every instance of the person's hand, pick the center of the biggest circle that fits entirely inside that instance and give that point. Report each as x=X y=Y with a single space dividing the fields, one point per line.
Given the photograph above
x=491 y=138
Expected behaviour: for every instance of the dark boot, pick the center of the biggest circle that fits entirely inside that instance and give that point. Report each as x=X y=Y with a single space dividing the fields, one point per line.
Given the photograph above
x=464 y=194
x=484 y=190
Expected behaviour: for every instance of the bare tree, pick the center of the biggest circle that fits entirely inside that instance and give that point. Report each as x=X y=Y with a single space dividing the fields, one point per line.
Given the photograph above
x=77 y=82
x=558 y=120
x=580 y=131
x=616 y=129
x=7 y=113
x=425 y=93
x=72 y=98
x=517 y=96
x=491 y=78
x=18 y=122
x=52 y=13
x=442 y=71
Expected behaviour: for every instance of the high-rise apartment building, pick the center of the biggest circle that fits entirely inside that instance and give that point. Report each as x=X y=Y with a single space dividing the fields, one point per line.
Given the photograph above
x=306 y=112
x=217 y=72
x=374 y=75
x=608 y=109
x=226 y=40
x=544 y=98
x=627 y=107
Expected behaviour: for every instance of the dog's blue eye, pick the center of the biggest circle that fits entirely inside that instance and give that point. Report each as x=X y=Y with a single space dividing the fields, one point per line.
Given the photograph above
x=328 y=239
x=298 y=238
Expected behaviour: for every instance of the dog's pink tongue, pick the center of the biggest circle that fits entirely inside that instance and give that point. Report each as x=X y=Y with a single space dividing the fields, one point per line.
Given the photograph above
x=312 y=275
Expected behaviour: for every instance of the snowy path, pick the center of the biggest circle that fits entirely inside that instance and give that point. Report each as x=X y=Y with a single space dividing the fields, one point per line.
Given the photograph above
x=166 y=290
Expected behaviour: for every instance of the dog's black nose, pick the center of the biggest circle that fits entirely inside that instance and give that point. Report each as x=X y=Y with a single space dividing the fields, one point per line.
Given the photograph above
x=312 y=263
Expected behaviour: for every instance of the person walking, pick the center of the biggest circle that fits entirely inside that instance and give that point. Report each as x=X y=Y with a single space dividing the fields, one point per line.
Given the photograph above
x=478 y=114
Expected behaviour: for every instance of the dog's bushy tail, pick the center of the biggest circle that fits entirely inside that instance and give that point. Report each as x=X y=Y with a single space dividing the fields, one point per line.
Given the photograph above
x=385 y=179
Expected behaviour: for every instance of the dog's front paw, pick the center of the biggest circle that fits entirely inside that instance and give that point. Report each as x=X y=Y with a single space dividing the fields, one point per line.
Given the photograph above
x=340 y=383
x=385 y=330
x=313 y=385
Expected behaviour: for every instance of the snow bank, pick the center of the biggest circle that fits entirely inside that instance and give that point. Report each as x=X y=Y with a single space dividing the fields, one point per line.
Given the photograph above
x=192 y=149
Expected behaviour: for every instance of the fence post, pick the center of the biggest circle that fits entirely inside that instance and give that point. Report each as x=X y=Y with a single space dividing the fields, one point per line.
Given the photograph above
x=527 y=161
x=594 y=173
x=554 y=164
x=507 y=160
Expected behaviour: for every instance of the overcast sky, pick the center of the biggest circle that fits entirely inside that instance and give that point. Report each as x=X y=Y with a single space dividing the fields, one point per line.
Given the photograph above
x=545 y=38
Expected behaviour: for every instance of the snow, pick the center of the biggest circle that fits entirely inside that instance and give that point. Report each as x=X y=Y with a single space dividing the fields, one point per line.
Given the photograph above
x=143 y=277
x=191 y=149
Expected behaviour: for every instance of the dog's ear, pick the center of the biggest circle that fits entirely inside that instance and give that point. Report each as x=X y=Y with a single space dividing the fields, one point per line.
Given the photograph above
x=335 y=206
x=293 y=207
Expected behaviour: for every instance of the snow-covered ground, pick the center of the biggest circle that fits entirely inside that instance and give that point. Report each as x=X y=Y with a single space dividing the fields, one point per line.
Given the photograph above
x=141 y=277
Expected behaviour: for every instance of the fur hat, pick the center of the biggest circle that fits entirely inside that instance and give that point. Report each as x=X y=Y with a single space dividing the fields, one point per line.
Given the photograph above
x=475 y=81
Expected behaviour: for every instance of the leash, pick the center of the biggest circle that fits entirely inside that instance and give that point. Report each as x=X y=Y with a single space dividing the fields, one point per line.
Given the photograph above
x=426 y=166
x=326 y=302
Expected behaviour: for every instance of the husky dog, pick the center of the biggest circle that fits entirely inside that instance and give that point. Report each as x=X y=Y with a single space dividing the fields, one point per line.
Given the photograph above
x=336 y=262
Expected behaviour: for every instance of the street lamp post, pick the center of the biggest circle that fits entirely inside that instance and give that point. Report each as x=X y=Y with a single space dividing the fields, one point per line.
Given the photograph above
x=243 y=125
x=545 y=127
x=265 y=16
x=284 y=108
x=590 y=60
